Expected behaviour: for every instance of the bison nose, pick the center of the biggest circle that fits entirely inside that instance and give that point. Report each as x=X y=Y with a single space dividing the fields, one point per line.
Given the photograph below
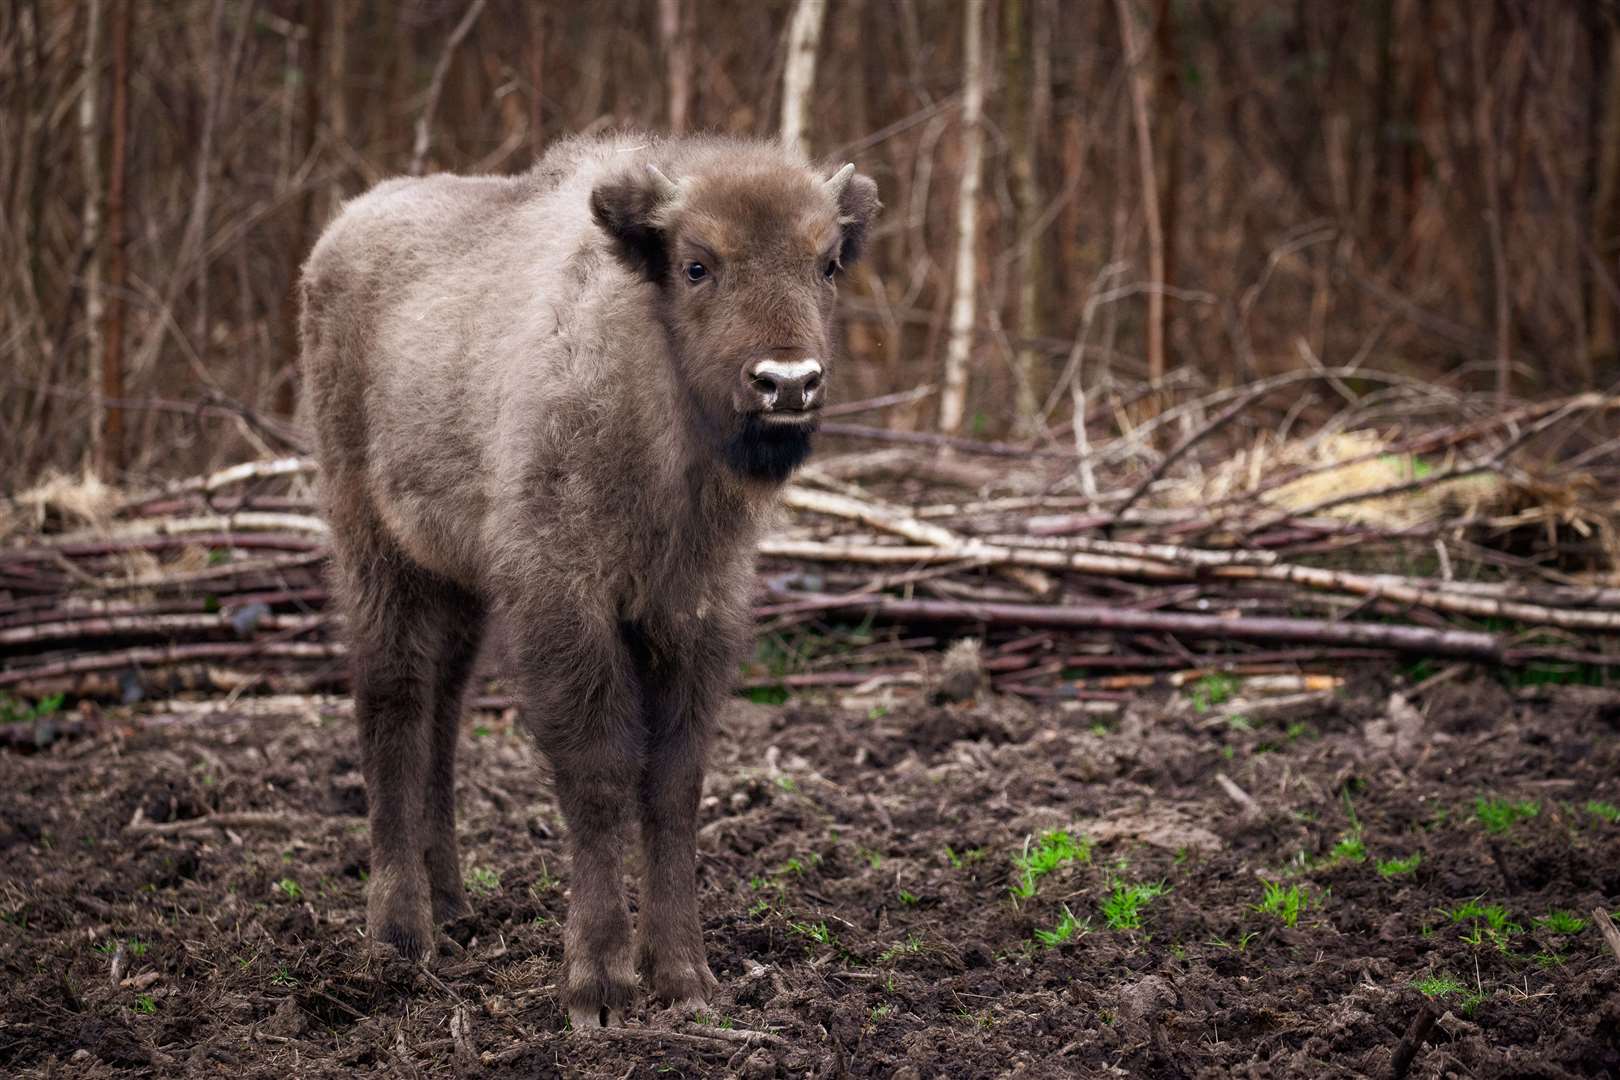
x=787 y=385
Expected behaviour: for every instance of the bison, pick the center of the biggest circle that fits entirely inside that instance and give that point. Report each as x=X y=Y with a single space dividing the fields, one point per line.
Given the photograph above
x=567 y=399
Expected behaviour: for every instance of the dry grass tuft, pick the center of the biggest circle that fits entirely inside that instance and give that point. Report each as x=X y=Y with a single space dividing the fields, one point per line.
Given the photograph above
x=1367 y=466
x=59 y=501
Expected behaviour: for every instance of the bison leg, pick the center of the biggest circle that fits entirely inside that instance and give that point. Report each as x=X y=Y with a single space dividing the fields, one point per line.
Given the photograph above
x=398 y=617
x=581 y=702
x=463 y=629
x=670 y=933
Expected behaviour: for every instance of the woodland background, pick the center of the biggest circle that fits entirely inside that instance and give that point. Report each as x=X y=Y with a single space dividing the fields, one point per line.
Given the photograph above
x=1166 y=193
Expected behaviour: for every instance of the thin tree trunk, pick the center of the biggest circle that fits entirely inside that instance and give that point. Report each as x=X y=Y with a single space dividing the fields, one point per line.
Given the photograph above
x=287 y=381
x=1167 y=111
x=190 y=260
x=197 y=227
x=337 y=103
x=1485 y=133
x=423 y=141
x=1022 y=131
x=675 y=27
x=1601 y=343
x=90 y=257
x=110 y=459
x=1139 y=85
x=31 y=181
x=592 y=69
x=1072 y=255
x=959 y=348
x=537 y=71
x=799 y=73
x=1421 y=110
x=1121 y=234
x=1383 y=177
x=850 y=43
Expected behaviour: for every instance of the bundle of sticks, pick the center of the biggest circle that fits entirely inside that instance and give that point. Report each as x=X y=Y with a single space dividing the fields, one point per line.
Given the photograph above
x=1083 y=567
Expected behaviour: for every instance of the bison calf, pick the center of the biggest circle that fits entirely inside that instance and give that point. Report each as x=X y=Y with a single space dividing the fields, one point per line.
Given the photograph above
x=567 y=398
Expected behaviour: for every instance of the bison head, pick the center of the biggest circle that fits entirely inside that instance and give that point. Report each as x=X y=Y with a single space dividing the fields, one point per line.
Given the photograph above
x=746 y=256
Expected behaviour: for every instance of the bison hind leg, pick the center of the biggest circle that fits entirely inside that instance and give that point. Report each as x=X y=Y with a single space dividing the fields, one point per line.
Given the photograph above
x=412 y=648
x=462 y=632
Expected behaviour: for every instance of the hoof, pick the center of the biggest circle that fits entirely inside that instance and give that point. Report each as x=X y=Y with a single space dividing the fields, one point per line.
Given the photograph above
x=398 y=915
x=687 y=1008
x=585 y=1019
x=684 y=985
x=450 y=904
x=409 y=943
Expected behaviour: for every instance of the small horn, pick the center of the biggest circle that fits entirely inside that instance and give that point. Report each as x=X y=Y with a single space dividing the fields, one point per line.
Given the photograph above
x=839 y=180
x=666 y=187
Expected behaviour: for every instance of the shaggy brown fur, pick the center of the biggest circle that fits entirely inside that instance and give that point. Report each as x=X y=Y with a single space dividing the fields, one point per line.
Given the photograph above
x=529 y=403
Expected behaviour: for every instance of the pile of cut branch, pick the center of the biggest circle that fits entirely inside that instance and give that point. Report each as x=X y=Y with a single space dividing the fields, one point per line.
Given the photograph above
x=1211 y=538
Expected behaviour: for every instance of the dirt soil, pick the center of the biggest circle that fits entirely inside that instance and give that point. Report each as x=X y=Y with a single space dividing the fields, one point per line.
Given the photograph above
x=183 y=895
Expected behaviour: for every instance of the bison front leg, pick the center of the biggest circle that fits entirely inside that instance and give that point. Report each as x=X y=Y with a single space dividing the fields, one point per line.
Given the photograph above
x=670 y=934
x=683 y=693
x=581 y=704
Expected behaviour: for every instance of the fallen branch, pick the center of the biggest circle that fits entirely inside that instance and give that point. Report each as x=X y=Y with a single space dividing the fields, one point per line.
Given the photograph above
x=1419 y=639
x=737 y=1035
x=1606 y=927
x=953 y=442
x=902 y=397
x=223 y=478
x=1244 y=800
x=1400 y=1063
x=1108 y=565
x=224 y=524
x=242 y=819
x=150 y=626
x=880 y=517
x=168 y=655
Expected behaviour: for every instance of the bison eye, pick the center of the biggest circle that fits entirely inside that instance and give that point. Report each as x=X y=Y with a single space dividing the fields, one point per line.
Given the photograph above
x=830 y=269
x=696 y=272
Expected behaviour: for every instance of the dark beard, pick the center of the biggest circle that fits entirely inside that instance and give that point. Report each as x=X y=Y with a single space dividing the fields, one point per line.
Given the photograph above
x=764 y=451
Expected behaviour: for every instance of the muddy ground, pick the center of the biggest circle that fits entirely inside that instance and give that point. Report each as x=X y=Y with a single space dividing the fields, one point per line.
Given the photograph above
x=857 y=867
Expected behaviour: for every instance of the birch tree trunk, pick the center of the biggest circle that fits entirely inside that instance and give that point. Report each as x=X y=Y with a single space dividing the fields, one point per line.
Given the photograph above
x=959 y=347
x=90 y=254
x=799 y=73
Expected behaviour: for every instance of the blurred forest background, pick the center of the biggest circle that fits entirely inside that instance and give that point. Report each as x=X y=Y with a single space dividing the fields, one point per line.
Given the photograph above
x=1160 y=194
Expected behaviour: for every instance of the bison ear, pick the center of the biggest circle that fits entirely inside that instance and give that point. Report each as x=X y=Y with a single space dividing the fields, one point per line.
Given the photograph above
x=858 y=207
x=628 y=208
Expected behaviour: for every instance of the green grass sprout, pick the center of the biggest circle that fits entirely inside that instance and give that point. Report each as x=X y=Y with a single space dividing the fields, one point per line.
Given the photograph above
x=1499 y=815
x=1040 y=858
x=1065 y=929
x=1285 y=903
x=1562 y=922
x=1394 y=868
x=1436 y=986
x=1123 y=908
